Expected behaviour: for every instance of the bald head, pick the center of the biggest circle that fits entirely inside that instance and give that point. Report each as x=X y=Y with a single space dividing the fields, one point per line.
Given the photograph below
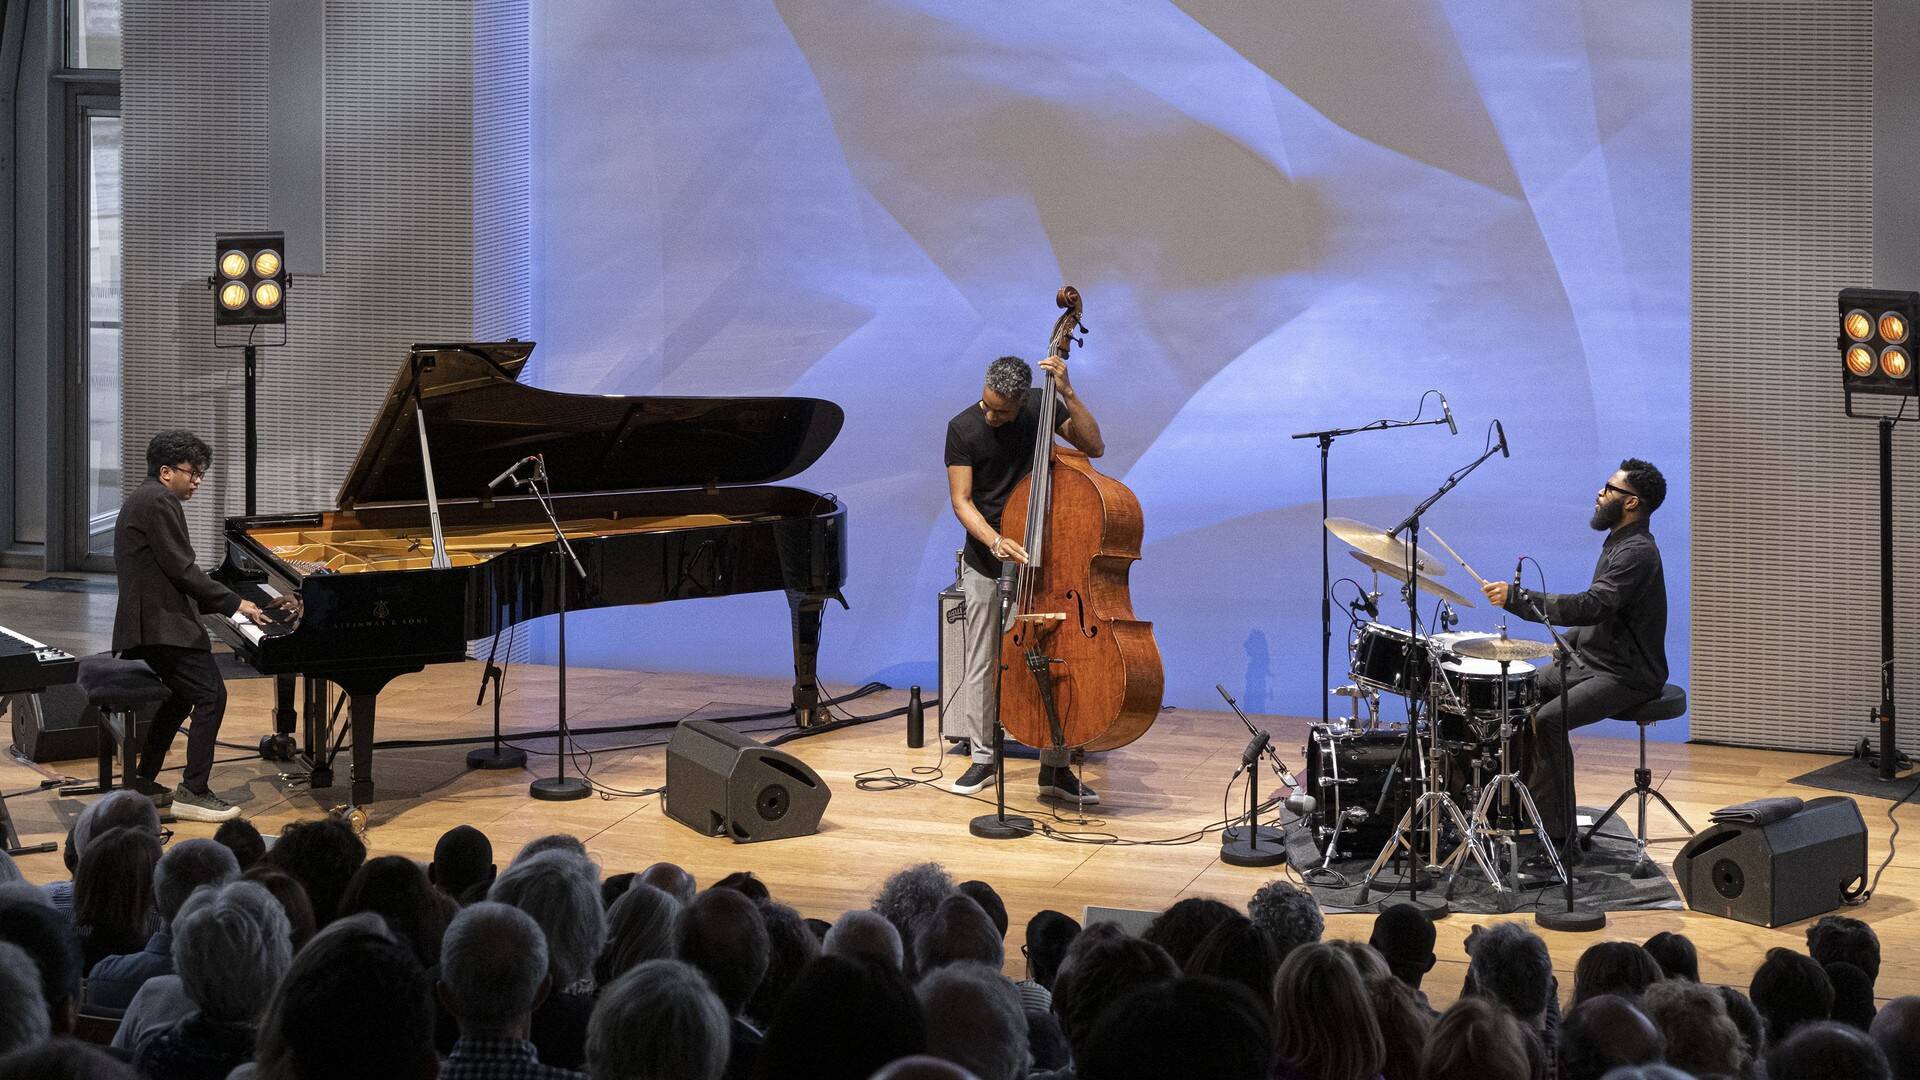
x=1606 y=1032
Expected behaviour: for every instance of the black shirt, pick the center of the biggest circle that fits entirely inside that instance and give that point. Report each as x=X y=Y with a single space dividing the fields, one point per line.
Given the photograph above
x=1000 y=458
x=1620 y=622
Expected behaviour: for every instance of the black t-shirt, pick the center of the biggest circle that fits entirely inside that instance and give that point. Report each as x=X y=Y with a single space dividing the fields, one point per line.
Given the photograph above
x=1000 y=457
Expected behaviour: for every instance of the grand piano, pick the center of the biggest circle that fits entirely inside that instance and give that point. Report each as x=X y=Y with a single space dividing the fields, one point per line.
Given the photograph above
x=661 y=498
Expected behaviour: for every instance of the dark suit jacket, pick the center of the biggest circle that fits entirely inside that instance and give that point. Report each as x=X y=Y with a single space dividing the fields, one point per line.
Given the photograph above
x=163 y=591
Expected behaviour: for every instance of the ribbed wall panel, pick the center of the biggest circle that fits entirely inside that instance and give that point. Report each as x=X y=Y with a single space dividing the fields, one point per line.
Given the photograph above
x=1785 y=487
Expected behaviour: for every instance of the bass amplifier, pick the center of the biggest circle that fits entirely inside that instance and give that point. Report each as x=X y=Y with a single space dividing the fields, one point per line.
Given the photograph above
x=953 y=649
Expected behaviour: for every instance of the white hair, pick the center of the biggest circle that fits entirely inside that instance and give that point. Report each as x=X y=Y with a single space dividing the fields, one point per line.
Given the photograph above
x=1010 y=376
x=121 y=806
x=659 y=1021
x=642 y=925
x=23 y=1011
x=974 y=1018
x=862 y=933
x=491 y=963
x=232 y=944
x=562 y=893
x=185 y=867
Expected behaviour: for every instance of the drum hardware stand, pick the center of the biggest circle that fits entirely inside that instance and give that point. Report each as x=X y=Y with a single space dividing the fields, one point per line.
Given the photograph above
x=1511 y=792
x=1255 y=844
x=999 y=825
x=560 y=787
x=1325 y=439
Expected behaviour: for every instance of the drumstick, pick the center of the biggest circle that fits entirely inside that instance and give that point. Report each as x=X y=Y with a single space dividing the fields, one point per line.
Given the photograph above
x=1456 y=557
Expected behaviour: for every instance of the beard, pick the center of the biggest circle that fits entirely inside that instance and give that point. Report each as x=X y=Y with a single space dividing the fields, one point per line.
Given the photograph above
x=1606 y=516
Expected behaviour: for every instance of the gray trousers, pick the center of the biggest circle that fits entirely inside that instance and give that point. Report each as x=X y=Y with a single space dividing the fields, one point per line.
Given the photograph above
x=971 y=717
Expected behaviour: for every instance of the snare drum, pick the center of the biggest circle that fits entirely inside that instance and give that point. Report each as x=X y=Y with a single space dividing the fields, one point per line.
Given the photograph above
x=1473 y=685
x=1390 y=659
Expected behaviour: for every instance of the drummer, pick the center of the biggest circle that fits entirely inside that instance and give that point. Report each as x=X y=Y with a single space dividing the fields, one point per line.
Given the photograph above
x=1618 y=637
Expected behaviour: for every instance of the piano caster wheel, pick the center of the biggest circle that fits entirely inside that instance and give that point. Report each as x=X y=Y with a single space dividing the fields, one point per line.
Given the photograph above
x=276 y=747
x=320 y=778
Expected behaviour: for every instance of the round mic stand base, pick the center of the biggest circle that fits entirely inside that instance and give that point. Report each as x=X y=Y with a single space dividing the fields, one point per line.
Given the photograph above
x=1001 y=827
x=559 y=788
x=496 y=757
x=1263 y=845
x=1573 y=921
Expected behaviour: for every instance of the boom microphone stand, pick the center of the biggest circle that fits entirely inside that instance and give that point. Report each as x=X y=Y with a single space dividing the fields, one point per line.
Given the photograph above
x=560 y=787
x=1325 y=438
x=998 y=825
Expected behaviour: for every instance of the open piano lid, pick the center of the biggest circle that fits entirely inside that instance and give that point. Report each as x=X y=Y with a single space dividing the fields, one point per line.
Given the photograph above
x=480 y=420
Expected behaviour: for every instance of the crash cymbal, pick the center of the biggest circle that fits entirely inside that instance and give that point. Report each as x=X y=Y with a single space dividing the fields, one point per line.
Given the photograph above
x=1428 y=586
x=1376 y=542
x=1500 y=648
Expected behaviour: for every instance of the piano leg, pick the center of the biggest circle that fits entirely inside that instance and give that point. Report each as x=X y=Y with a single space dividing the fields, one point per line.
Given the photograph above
x=360 y=716
x=316 y=713
x=807 y=608
x=283 y=715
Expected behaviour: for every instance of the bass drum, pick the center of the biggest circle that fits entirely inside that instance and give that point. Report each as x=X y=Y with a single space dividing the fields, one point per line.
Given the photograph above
x=1359 y=789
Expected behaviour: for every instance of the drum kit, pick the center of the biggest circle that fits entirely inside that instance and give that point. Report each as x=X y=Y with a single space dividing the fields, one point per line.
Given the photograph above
x=1442 y=789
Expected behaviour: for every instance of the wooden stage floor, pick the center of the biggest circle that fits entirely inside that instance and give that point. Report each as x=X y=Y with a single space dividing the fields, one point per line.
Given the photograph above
x=1168 y=783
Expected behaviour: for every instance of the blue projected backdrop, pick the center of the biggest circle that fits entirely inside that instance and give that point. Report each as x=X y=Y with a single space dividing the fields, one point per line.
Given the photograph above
x=1283 y=216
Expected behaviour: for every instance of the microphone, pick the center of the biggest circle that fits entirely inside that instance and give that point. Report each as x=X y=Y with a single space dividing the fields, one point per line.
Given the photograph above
x=1503 y=438
x=1367 y=604
x=1514 y=590
x=1254 y=748
x=1301 y=804
x=1447 y=410
x=512 y=472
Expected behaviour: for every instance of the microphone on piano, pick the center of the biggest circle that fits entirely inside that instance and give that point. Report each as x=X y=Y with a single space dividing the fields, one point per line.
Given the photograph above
x=512 y=472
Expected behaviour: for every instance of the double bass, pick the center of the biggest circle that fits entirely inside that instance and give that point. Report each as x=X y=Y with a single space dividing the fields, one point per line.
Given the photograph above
x=1078 y=670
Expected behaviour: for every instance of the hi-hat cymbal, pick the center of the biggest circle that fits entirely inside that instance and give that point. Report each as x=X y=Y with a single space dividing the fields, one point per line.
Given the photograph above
x=1500 y=648
x=1376 y=542
x=1427 y=584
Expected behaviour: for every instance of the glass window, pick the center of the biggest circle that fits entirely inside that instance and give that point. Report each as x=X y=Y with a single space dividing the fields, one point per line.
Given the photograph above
x=93 y=34
x=102 y=338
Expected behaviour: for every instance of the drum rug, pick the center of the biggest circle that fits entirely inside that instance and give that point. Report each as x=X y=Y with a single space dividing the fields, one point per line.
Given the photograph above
x=1603 y=881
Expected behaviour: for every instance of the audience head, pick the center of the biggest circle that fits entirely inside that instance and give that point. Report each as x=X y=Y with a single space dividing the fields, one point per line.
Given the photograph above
x=724 y=936
x=561 y=891
x=231 y=947
x=1896 y=1031
x=1510 y=965
x=1288 y=914
x=1166 y=1028
x=1615 y=967
x=973 y=1017
x=743 y=882
x=1180 y=928
x=1790 y=989
x=1605 y=1032
x=292 y=896
x=24 y=1020
x=1675 y=954
x=1404 y=1023
x=65 y=1059
x=790 y=948
x=910 y=896
x=1323 y=1020
x=120 y=808
x=1049 y=935
x=922 y=1067
x=842 y=1020
x=1103 y=964
x=862 y=933
x=396 y=889
x=1479 y=1039
x=670 y=879
x=46 y=936
x=658 y=1021
x=641 y=926
x=957 y=931
x=564 y=842
x=1843 y=939
x=1823 y=1050
x=366 y=985
x=614 y=887
x=989 y=901
x=1366 y=960
x=113 y=892
x=1753 y=1027
x=185 y=867
x=1239 y=952
x=1701 y=1037
x=493 y=970
x=1404 y=936
x=239 y=836
x=462 y=860
x=322 y=856
x=1852 y=994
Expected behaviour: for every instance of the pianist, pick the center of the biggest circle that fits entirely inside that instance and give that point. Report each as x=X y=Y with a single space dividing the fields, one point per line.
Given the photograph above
x=163 y=592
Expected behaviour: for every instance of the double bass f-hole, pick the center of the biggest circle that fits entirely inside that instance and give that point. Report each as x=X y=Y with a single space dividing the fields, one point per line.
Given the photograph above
x=1080 y=613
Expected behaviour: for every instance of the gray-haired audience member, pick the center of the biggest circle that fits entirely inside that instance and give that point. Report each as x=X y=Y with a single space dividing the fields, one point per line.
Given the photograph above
x=1701 y=1037
x=642 y=925
x=1896 y=1031
x=493 y=972
x=670 y=879
x=1647 y=1072
x=862 y=933
x=231 y=947
x=910 y=896
x=572 y=845
x=957 y=931
x=47 y=936
x=121 y=807
x=561 y=891
x=922 y=1067
x=1288 y=914
x=659 y=1021
x=23 y=1013
x=973 y=1017
x=184 y=867
x=1826 y=1050
x=1511 y=966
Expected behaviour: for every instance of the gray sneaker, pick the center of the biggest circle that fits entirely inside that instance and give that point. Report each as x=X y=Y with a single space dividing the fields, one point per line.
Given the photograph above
x=197 y=806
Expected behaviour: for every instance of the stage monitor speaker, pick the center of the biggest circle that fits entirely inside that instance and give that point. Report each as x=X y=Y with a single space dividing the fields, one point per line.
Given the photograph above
x=1771 y=875
x=720 y=782
x=57 y=723
x=953 y=649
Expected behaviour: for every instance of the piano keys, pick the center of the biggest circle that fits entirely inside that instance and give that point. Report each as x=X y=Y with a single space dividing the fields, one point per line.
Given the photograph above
x=662 y=499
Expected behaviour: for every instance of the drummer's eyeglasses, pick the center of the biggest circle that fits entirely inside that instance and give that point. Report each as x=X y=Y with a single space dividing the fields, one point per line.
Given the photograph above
x=1604 y=488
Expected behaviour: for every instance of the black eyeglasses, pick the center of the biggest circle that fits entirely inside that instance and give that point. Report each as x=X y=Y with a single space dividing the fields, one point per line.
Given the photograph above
x=197 y=474
x=1621 y=490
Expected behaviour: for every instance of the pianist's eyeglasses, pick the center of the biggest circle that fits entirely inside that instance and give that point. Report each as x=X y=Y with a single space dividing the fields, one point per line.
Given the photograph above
x=197 y=474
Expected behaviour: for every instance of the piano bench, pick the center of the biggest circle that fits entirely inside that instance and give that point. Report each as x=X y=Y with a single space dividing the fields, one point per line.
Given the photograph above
x=116 y=689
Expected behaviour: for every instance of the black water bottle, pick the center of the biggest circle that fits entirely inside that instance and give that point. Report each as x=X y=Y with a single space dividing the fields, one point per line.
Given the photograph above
x=916 y=720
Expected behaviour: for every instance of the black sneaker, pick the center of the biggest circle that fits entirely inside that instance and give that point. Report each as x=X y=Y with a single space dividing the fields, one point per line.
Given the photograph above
x=976 y=778
x=1060 y=783
x=202 y=806
x=161 y=795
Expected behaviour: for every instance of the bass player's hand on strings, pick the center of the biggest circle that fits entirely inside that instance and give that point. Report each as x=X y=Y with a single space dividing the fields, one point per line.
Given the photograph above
x=1006 y=548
